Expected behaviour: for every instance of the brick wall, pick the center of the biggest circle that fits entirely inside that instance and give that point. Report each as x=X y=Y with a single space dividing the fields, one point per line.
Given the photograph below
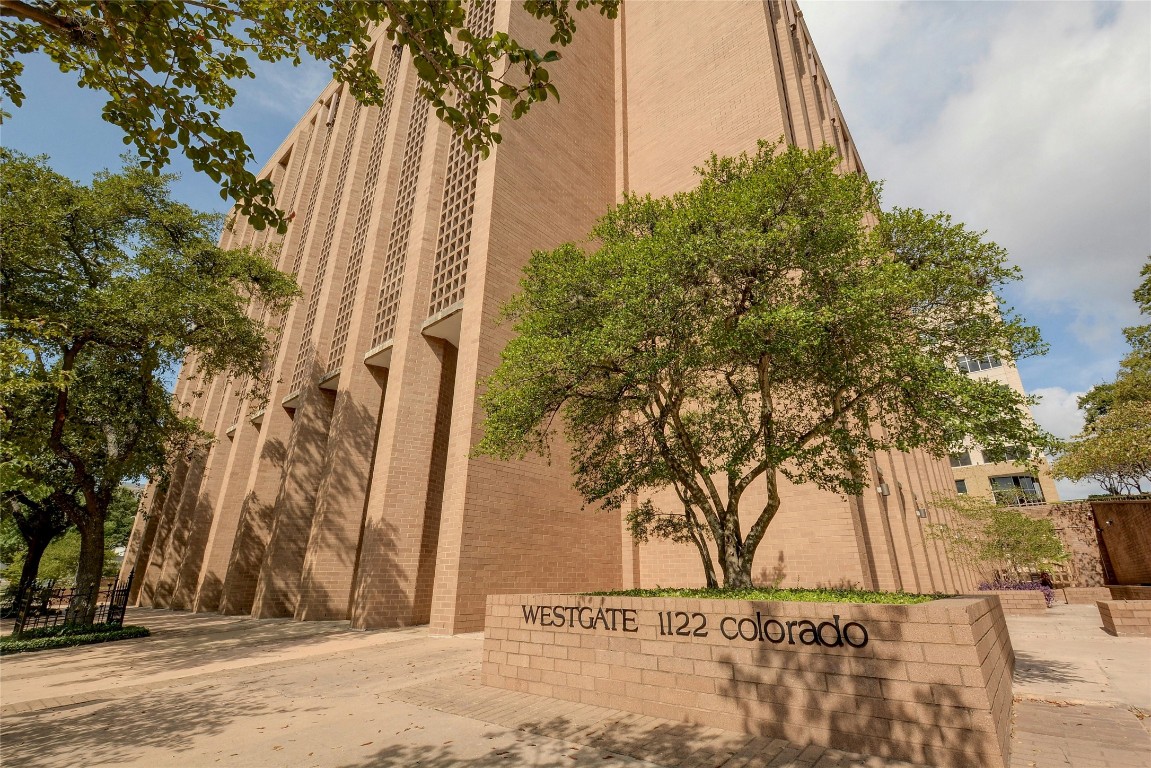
x=1084 y=595
x=1125 y=527
x=1126 y=617
x=928 y=683
x=1021 y=602
x=1075 y=525
x=1128 y=593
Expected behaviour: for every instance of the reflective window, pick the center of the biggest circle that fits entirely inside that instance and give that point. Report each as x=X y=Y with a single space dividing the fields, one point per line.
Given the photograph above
x=1016 y=490
x=973 y=364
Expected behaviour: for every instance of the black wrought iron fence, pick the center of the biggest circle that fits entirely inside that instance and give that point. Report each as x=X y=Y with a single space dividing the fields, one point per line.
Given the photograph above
x=44 y=604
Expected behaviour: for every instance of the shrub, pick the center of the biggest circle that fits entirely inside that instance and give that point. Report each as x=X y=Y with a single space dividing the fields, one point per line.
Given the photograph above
x=817 y=595
x=45 y=638
x=1048 y=592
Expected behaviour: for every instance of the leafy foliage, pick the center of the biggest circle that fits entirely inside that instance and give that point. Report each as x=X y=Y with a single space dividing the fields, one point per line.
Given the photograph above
x=121 y=516
x=61 y=552
x=783 y=595
x=66 y=637
x=106 y=288
x=990 y=536
x=169 y=67
x=772 y=323
x=1114 y=448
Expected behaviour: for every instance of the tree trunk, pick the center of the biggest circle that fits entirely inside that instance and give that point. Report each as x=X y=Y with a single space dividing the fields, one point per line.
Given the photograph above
x=736 y=572
x=700 y=542
x=36 y=547
x=88 y=573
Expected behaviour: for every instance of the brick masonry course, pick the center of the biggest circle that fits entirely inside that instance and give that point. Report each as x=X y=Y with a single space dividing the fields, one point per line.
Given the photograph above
x=928 y=683
x=1126 y=617
x=1021 y=602
x=1128 y=593
x=1084 y=595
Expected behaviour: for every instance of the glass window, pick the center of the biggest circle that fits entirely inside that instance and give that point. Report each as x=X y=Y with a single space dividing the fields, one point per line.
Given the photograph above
x=961 y=486
x=961 y=459
x=1010 y=453
x=973 y=364
x=1016 y=490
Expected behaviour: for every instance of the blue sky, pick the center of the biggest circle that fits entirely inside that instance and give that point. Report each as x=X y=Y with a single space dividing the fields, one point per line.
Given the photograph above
x=1030 y=120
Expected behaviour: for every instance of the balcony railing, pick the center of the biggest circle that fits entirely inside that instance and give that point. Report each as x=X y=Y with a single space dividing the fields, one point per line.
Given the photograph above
x=1017 y=497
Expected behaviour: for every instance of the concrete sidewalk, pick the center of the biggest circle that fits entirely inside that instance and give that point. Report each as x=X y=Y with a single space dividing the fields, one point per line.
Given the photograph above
x=207 y=690
x=1082 y=697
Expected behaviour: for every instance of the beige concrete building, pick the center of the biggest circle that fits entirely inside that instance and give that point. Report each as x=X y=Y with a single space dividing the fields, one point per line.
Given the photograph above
x=1011 y=481
x=353 y=494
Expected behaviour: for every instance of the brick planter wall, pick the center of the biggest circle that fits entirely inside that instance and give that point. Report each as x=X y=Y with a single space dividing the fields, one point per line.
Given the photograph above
x=1128 y=593
x=928 y=683
x=1126 y=617
x=1084 y=595
x=1020 y=602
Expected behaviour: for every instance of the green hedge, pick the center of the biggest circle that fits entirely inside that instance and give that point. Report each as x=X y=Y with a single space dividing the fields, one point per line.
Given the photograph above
x=790 y=595
x=45 y=638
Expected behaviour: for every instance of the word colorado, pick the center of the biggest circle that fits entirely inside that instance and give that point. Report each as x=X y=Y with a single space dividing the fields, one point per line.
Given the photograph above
x=800 y=631
x=611 y=619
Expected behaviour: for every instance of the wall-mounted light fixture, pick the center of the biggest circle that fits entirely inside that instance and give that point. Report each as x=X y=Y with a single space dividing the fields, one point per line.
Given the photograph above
x=920 y=512
x=883 y=489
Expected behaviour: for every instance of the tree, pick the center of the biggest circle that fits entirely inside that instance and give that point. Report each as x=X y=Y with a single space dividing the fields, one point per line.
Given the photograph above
x=1114 y=448
x=168 y=67
x=32 y=484
x=753 y=329
x=107 y=287
x=1114 y=451
x=121 y=516
x=37 y=540
x=38 y=522
x=986 y=535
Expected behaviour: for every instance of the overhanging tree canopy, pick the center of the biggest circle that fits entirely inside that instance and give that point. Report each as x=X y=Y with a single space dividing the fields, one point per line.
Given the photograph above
x=168 y=66
x=771 y=323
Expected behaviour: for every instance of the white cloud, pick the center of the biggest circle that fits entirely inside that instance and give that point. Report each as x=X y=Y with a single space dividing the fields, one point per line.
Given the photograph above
x=1030 y=120
x=1057 y=411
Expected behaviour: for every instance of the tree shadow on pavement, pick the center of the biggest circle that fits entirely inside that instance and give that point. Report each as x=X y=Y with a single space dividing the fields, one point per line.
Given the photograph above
x=526 y=751
x=1030 y=668
x=115 y=732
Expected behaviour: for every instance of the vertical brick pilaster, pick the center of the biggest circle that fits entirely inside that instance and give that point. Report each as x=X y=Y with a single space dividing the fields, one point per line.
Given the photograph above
x=246 y=555
x=334 y=541
x=225 y=518
x=278 y=587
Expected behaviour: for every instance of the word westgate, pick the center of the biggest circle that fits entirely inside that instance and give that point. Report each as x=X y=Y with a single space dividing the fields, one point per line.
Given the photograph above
x=749 y=629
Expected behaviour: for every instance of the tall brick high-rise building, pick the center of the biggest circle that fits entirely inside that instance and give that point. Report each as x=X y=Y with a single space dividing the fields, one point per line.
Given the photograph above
x=353 y=494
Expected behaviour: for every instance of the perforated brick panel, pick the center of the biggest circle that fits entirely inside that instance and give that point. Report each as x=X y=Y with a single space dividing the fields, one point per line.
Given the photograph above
x=276 y=322
x=364 y=216
x=401 y=226
x=306 y=355
x=454 y=242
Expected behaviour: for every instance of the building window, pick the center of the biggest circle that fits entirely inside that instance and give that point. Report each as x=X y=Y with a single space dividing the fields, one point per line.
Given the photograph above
x=961 y=459
x=1008 y=454
x=1016 y=490
x=973 y=364
x=961 y=486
